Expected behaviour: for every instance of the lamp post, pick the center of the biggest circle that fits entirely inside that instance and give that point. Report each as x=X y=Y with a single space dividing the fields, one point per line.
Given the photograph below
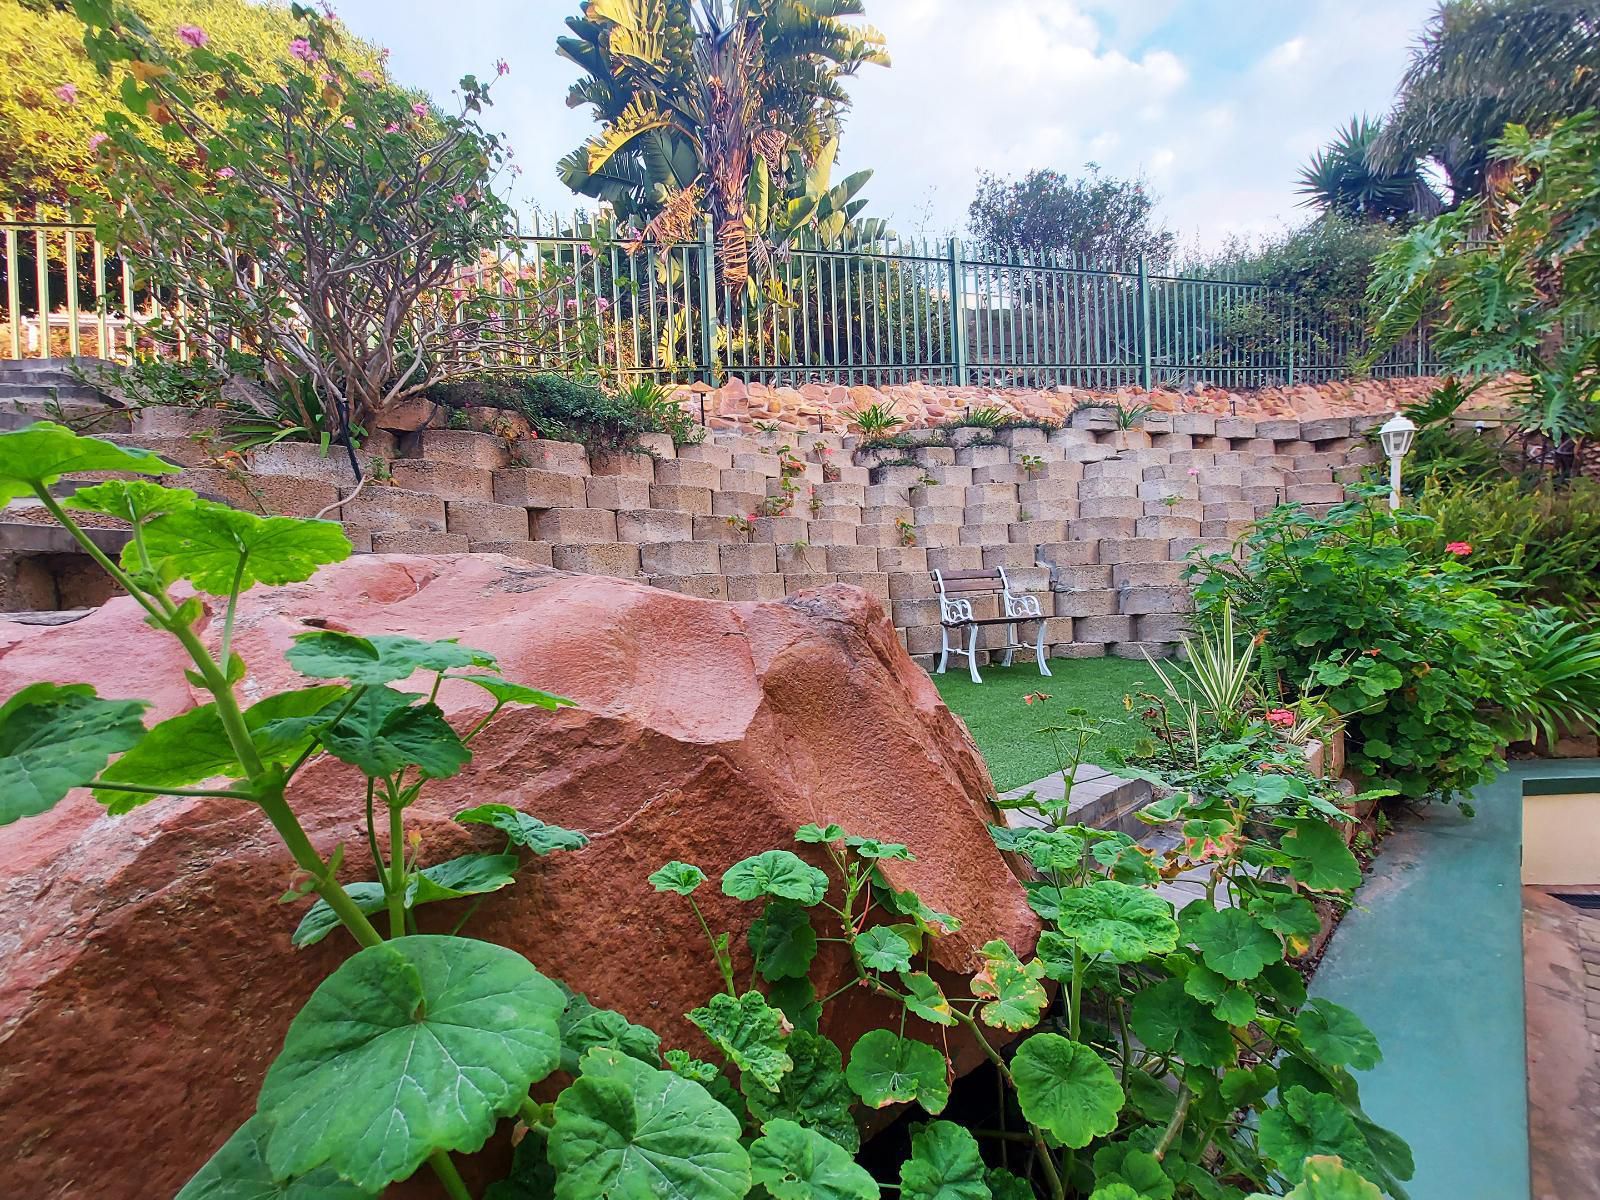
x=1396 y=435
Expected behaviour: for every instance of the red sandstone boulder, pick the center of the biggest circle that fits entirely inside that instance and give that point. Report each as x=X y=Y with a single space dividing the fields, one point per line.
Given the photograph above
x=146 y=977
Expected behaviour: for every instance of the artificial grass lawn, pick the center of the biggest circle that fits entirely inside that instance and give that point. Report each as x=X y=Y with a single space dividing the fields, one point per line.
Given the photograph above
x=1004 y=726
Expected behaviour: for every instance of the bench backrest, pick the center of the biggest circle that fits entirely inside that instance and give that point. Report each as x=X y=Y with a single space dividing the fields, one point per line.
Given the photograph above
x=957 y=587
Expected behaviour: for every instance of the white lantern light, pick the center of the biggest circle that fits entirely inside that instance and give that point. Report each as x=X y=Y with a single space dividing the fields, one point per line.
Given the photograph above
x=1396 y=435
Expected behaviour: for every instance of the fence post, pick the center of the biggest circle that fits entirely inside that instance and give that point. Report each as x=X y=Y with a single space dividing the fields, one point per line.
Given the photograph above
x=1144 y=327
x=958 y=313
x=1291 y=339
x=708 y=308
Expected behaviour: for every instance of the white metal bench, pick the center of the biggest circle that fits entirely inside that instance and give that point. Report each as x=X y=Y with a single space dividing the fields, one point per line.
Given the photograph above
x=956 y=590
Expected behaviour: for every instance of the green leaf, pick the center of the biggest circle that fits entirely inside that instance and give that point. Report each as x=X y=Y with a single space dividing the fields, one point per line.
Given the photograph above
x=384 y=732
x=944 y=1165
x=420 y=1044
x=1065 y=1087
x=532 y=1177
x=1126 y=924
x=815 y=1094
x=1337 y=1036
x=194 y=746
x=778 y=873
x=468 y=875
x=1017 y=998
x=625 y=1131
x=819 y=834
x=211 y=545
x=1242 y=1088
x=55 y=738
x=528 y=832
x=43 y=452
x=238 y=1171
x=798 y=1000
x=882 y=949
x=1234 y=944
x=1283 y=982
x=506 y=692
x=750 y=1032
x=872 y=848
x=1003 y=1185
x=1322 y=862
x=1168 y=1020
x=381 y=658
x=132 y=500
x=1293 y=917
x=584 y=1026
x=1309 y=1123
x=1138 y=1170
x=888 y=1069
x=796 y=1163
x=909 y=904
x=680 y=877
x=925 y=999
x=782 y=941
x=1116 y=1190
x=1232 y=1004
x=1324 y=1178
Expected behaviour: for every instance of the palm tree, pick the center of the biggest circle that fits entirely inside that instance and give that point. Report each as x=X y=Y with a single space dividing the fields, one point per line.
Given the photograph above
x=1481 y=64
x=1340 y=179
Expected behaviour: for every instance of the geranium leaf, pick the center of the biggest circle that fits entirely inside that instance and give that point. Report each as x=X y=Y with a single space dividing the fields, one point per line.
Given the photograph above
x=819 y=834
x=1003 y=1185
x=750 y=1032
x=1293 y=917
x=872 y=848
x=506 y=692
x=528 y=832
x=1133 y=1168
x=815 y=1094
x=782 y=941
x=384 y=732
x=1325 y=1178
x=54 y=738
x=193 y=745
x=1242 y=1088
x=796 y=1163
x=1309 y=1123
x=420 y=1044
x=909 y=904
x=778 y=873
x=709 y=1077
x=1337 y=1036
x=43 y=452
x=1321 y=860
x=944 y=1165
x=1065 y=1087
x=212 y=545
x=238 y=1171
x=532 y=1177
x=381 y=658
x=1233 y=943
x=626 y=1131
x=468 y=875
x=1126 y=924
x=798 y=1000
x=1169 y=1020
x=680 y=877
x=925 y=999
x=584 y=1026
x=1017 y=998
x=132 y=500
x=888 y=1069
x=882 y=949
x=1283 y=982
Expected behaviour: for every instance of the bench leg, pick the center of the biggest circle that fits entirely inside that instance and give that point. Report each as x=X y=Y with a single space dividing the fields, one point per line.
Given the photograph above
x=1038 y=649
x=944 y=648
x=1011 y=642
x=972 y=655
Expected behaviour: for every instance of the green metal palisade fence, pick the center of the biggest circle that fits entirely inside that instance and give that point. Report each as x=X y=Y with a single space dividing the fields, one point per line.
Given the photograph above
x=876 y=312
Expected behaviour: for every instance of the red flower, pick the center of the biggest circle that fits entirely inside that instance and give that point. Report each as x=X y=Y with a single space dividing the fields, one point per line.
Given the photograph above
x=1032 y=696
x=1459 y=549
x=1371 y=653
x=1281 y=717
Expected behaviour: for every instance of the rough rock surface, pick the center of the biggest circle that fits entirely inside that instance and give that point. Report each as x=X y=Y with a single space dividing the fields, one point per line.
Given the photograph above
x=146 y=977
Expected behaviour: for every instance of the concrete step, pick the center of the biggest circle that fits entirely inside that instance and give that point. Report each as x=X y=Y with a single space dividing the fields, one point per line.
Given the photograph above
x=1100 y=800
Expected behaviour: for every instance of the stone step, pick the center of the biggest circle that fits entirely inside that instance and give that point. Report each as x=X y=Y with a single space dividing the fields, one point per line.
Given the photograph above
x=1099 y=799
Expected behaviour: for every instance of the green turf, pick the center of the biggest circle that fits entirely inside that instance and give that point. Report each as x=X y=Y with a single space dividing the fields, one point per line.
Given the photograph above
x=1005 y=727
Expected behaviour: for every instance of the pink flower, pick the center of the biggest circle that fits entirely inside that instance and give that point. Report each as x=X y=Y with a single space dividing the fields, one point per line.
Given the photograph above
x=1194 y=470
x=457 y=293
x=192 y=35
x=572 y=305
x=67 y=92
x=586 y=250
x=420 y=109
x=302 y=50
x=458 y=201
x=392 y=127
x=96 y=140
x=383 y=54
x=1459 y=549
x=366 y=77
x=501 y=67
x=225 y=173
x=602 y=304
x=1281 y=717
x=349 y=122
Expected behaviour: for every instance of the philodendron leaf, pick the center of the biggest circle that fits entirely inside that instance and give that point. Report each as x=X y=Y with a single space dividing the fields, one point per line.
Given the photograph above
x=1308 y=1123
x=944 y=1165
x=54 y=738
x=1169 y=1020
x=528 y=832
x=925 y=999
x=680 y=877
x=1321 y=860
x=506 y=692
x=238 y=1171
x=381 y=658
x=420 y=1044
x=796 y=1163
x=626 y=1131
x=1126 y=924
x=193 y=745
x=778 y=873
x=888 y=1069
x=1326 y=1178
x=1065 y=1087
x=584 y=1026
x=1233 y=943
x=384 y=732
x=882 y=949
x=1337 y=1036
x=782 y=941
x=815 y=1094
x=1018 y=998
x=214 y=547
x=750 y=1032
x=133 y=500
x=43 y=452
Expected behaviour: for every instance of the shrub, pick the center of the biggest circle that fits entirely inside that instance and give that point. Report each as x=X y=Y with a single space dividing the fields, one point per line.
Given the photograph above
x=569 y=410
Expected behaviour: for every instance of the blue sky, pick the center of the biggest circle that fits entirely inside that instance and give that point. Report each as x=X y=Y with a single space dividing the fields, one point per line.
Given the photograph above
x=1215 y=102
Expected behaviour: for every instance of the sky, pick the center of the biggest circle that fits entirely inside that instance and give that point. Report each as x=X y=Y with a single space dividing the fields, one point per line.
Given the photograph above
x=1216 y=103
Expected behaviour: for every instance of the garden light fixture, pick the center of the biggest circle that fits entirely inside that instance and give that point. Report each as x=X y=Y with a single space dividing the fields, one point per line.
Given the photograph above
x=1397 y=434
